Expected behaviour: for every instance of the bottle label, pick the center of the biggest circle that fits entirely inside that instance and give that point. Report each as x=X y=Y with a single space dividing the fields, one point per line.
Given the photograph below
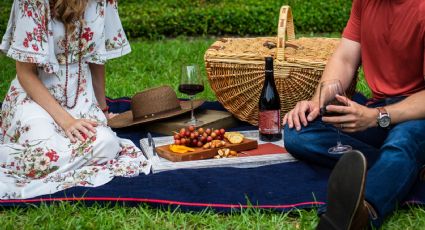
x=269 y=122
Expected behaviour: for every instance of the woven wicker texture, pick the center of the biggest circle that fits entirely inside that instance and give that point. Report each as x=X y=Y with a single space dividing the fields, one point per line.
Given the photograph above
x=235 y=68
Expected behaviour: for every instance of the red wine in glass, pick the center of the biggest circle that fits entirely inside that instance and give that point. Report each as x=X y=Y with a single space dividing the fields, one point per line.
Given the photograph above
x=191 y=83
x=325 y=113
x=191 y=89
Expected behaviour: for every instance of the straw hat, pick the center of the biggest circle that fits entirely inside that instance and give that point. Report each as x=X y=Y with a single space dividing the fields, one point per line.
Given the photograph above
x=151 y=105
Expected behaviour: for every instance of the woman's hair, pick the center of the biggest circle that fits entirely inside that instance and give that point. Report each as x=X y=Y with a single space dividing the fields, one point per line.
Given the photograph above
x=68 y=12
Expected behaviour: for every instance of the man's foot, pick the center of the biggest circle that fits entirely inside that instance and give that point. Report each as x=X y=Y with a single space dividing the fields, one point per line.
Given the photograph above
x=346 y=206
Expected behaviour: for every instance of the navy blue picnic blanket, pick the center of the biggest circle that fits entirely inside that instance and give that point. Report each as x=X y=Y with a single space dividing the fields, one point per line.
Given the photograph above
x=280 y=187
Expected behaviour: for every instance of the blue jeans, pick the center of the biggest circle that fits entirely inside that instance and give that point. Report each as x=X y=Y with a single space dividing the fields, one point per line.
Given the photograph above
x=394 y=156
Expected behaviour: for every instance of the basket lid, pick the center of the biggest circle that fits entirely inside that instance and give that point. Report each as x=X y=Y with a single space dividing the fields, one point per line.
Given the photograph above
x=305 y=50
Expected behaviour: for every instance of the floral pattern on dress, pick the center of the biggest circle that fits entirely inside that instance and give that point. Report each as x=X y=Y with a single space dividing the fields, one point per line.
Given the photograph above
x=87 y=45
x=117 y=42
x=37 y=37
x=36 y=161
x=82 y=148
x=37 y=158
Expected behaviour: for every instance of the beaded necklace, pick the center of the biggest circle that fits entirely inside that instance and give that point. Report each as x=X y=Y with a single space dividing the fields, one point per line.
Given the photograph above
x=52 y=15
x=66 y=68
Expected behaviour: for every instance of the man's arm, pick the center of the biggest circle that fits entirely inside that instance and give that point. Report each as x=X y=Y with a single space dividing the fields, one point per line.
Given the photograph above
x=342 y=65
x=411 y=108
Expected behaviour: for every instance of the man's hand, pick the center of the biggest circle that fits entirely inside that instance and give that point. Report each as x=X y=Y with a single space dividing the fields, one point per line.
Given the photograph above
x=297 y=115
x=354 y=117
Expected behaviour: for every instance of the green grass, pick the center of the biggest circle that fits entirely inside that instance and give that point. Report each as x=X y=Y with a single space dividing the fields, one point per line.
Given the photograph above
x=150 y=64
x=65 y=215
x=68 y=216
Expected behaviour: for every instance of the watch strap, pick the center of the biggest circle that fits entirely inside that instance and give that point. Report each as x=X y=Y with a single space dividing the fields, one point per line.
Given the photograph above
x=382 y=111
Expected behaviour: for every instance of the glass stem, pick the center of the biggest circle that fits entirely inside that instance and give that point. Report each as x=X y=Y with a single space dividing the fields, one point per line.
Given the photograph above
x=192 y=115
x=338 y=141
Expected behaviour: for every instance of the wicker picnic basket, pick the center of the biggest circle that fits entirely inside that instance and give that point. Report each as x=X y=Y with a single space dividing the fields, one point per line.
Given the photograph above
x=235 y=68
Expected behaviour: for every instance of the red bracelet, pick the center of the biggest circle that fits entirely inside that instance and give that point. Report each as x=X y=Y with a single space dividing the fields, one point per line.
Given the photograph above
x=106 y=109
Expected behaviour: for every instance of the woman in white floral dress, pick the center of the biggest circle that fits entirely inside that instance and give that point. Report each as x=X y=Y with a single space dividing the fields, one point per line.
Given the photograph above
x=53 y=129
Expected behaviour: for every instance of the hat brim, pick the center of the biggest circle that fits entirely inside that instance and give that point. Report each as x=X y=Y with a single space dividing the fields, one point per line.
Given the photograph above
x=125 y=119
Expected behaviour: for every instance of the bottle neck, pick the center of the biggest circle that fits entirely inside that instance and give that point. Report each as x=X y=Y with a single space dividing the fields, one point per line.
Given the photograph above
x=269 y=76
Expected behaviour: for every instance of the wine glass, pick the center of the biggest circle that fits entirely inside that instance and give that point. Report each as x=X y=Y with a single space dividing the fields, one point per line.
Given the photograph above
x=191 y=83
x=328 y=91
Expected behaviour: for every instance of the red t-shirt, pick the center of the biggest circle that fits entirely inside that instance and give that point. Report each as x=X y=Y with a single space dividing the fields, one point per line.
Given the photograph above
x=392 y=38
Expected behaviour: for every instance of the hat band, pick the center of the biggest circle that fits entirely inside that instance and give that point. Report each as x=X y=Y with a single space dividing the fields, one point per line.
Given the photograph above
x=152 y=115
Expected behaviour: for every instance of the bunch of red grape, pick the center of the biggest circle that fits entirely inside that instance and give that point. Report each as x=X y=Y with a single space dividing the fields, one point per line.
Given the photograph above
x=197 y=137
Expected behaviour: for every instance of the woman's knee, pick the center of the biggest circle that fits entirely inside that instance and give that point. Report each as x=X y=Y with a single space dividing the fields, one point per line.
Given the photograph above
x=107 y=144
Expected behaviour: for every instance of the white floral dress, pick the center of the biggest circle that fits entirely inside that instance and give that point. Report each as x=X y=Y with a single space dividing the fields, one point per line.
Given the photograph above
x=36 y=157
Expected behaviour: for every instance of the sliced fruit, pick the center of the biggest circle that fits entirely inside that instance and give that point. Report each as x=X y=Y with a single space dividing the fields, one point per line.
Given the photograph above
x=181 y=149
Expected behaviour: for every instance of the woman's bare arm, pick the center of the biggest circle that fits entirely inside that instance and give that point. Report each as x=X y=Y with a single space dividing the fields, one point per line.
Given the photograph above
x=98 y=76
x=27 y=76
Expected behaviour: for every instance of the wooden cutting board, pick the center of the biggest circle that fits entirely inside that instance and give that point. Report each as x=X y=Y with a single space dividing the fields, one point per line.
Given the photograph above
x=201 y=153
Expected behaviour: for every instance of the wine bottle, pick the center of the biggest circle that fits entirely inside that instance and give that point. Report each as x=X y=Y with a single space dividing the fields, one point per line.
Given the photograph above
x=269 y=120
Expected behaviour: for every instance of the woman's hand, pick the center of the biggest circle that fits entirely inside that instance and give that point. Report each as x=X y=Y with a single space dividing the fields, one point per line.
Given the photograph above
x=109 y=115
x=80 y=129
x=297 y=115
x=354 y=117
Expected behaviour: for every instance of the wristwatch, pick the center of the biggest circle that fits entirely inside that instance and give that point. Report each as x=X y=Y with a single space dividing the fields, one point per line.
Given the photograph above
x=383 y=119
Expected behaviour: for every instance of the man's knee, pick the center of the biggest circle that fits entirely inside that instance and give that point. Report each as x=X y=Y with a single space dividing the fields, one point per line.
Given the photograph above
x=290 y=137
x=295 y=141
x=408 y=138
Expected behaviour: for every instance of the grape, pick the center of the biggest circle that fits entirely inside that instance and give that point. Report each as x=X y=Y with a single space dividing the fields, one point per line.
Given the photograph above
x=194 y=142
x=197 y=137
x=183 y=141
x=200 y=131
x=208 y=131
x=213 y=135
x=209 y=139
x=182 y=132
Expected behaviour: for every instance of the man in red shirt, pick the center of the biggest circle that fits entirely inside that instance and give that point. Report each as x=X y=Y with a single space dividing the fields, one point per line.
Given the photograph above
x=386 y=37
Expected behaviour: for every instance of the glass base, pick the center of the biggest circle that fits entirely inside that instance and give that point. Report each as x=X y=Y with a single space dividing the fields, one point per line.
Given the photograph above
x=339 y=149
x=194 y=122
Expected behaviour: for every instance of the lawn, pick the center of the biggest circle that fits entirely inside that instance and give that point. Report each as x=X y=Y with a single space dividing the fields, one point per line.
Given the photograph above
x=154 y=63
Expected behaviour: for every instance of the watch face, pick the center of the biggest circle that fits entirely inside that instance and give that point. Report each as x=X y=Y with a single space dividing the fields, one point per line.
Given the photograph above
x=384 y=121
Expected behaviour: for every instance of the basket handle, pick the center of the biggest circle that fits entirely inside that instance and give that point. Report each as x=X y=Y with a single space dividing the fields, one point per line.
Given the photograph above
x=285 y=28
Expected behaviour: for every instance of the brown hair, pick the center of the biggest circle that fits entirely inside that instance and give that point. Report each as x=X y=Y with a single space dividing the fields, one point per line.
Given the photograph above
x=68 y=12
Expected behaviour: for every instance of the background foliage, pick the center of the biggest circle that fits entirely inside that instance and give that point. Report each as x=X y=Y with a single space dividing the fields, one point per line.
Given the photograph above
x=170 y=18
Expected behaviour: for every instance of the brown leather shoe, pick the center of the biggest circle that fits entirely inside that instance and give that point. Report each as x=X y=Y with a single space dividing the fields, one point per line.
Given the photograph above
x=346 y=208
